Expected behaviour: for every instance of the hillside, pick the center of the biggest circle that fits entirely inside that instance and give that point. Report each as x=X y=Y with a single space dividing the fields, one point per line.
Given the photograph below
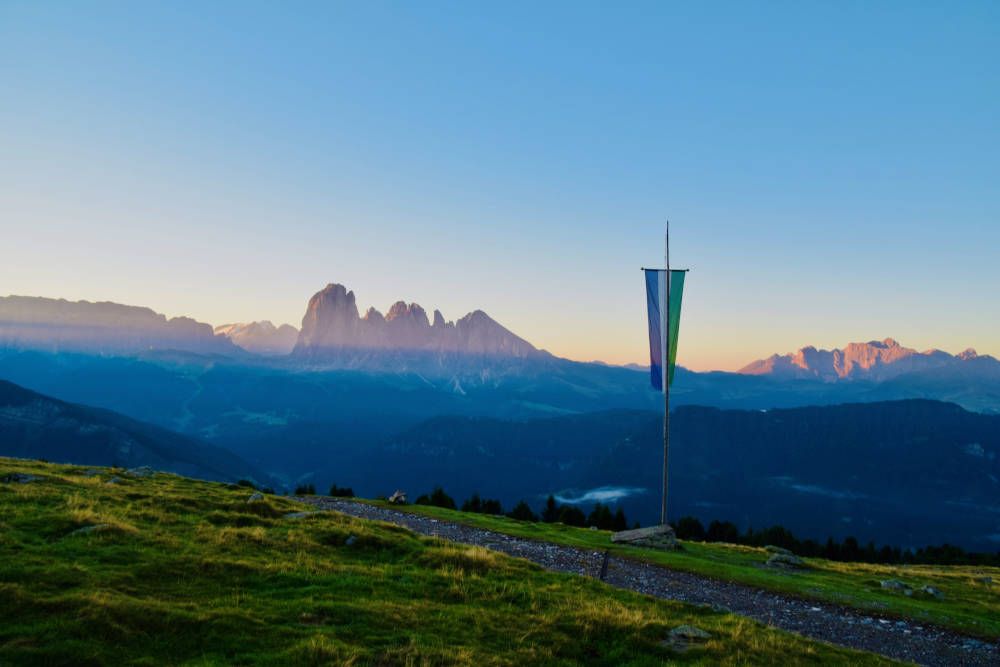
x=169 y=570
x=36 y=426
x=906 y=473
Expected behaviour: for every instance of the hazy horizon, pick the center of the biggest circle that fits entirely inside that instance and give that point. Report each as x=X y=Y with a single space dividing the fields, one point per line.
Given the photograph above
x=829 y=172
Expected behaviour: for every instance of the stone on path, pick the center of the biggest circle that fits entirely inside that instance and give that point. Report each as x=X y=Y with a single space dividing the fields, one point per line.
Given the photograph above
x=654 y=537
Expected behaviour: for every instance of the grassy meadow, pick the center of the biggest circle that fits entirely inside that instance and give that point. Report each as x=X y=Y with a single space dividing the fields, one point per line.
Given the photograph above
x=169 y=570
x=970 y=605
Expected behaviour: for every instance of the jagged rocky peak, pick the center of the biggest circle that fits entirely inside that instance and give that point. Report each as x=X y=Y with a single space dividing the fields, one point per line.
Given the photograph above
x=875 y=360
x=261 y=337
x=373 y=315
x=331 y=323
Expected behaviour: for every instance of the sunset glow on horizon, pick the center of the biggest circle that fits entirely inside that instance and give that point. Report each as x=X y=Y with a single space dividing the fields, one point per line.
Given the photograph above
x=226 y=162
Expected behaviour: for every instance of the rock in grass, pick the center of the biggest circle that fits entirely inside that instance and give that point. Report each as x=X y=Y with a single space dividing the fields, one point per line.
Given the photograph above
x=654 y=537
x=350 y=540
x=933 y=592
x=86 y=530
x=787 y=561
x=140 y=472
x=770 y=548
x=18 y=478
x=684 y=637
x=256 y=497
x=114 y=480
x=896 y=585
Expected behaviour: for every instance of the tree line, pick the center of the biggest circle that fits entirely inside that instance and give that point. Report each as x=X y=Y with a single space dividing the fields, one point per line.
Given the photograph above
x=600 y=516
x=849 y=550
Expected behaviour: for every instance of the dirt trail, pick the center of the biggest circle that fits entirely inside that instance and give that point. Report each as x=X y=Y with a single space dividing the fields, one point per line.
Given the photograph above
x=900 y=640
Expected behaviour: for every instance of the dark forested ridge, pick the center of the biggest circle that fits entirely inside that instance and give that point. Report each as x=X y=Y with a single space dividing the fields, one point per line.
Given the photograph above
x=910 y=473
x=39 y=427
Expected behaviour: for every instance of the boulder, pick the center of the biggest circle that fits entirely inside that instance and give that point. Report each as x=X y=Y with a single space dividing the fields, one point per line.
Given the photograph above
x=397 y=498
x=684 y=637
x=896 y=585
x=256 y=497
x=655 y=537
x=787 y=561
x=114 y=480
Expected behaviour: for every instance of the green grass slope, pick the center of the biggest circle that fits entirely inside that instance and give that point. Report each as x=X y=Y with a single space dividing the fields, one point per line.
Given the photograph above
x=169 y=570
x=971 y=602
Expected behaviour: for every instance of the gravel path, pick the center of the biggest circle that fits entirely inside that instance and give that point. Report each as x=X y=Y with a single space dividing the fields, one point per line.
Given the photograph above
x=901 y=640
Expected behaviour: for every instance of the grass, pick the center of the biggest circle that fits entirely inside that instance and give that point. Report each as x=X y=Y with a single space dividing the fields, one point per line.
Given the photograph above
x=969 y=606
x=186 y=572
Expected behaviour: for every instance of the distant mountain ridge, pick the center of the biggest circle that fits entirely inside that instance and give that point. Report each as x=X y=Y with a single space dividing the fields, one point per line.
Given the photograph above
x=876 y=361
x=102 y=327
x=333 y=330
x=261 y=338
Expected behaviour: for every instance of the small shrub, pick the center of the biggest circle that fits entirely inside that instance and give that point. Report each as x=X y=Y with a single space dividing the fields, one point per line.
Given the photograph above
x=690 y=528
x=437 y=498
x=341 y=491
x=522 y=512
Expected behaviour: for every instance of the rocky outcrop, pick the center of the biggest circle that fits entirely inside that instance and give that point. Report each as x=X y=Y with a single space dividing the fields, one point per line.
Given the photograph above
x=333 y=328
x=876 y=361
x=108 y=328
x=261 y=338
x=654 y=537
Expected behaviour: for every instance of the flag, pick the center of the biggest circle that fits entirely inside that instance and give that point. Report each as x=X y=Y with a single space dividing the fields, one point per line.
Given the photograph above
x=656 y=296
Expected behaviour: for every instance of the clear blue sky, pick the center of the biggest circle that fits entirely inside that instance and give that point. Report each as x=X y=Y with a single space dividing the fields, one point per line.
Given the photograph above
x=831 y=170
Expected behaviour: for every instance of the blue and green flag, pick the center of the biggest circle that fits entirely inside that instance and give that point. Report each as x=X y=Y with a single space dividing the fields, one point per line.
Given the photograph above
x=662 y=315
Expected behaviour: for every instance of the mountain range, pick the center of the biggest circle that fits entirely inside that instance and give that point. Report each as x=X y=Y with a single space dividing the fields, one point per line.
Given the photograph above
x=103 y=327
x=474 y=358
x=875 y=361
x=333 y=331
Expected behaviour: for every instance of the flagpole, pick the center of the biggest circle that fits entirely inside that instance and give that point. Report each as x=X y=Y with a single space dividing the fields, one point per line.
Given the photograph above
x=666 y=380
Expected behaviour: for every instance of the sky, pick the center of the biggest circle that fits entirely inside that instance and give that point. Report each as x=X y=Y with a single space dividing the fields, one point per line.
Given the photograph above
x=830 y=170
